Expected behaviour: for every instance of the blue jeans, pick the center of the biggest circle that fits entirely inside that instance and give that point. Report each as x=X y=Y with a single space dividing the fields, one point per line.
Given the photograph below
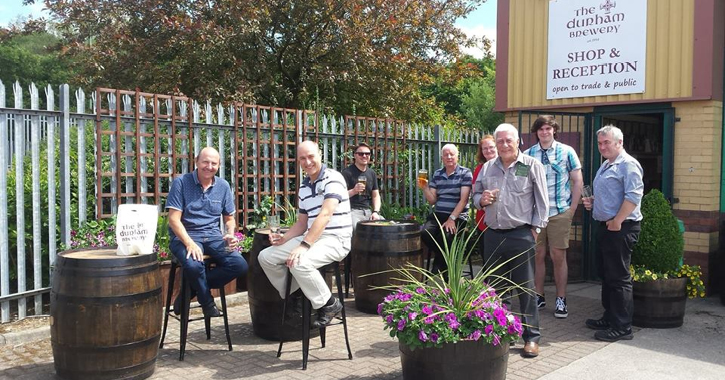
x=229 y=265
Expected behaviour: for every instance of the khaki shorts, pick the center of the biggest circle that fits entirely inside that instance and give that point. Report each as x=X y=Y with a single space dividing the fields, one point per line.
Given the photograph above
x=556 y=232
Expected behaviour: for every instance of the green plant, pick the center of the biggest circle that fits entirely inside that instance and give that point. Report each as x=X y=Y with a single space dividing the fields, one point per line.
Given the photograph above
x=259 y=215
x=394 y=211
x=289 y=211
x=658 y=252
x=441 y=310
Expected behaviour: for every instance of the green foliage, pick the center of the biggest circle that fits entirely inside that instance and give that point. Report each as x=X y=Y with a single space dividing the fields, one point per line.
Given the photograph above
x=394 y=211
x=33 y=57
x=289 y=211
x=660 y=244
x=258 y=218
x=372 y=56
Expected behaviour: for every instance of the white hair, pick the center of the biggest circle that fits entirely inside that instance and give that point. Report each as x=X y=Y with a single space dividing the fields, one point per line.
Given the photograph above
x=611 y=130
x=451 y=147
x=506 y=128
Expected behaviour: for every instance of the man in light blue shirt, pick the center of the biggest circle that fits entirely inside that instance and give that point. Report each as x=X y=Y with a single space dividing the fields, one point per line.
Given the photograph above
x=618 y=190
x=564 y=184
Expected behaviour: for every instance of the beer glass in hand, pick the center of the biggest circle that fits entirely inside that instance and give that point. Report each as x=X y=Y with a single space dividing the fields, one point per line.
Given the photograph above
x=587 y=197
x=273 y=223
x=422 y=178
x=362 y=180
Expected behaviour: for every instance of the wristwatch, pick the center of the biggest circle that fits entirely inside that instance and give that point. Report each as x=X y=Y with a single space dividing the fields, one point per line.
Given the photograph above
x=453 y=218
x=305 y=244
x=538 y=230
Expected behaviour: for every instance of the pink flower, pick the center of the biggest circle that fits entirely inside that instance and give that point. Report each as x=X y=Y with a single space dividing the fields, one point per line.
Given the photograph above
x=401 y=325
x=422 y=336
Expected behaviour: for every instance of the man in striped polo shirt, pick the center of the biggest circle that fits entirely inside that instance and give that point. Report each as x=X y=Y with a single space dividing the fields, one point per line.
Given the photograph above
x=564 y=184
x=320 y=236
x=448 y=191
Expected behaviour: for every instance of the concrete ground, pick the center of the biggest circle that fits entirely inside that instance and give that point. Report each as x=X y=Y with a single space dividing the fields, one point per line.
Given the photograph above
x=568 y=349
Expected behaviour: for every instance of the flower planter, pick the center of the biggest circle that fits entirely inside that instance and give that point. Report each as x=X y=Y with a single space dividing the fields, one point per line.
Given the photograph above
x=475 y=360
x=660 y=303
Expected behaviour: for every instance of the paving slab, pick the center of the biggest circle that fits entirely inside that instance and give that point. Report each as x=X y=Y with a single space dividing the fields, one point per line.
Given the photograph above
x=568 y=350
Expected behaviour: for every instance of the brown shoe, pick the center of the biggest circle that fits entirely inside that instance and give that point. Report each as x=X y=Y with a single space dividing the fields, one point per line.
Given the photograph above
x=531 y=350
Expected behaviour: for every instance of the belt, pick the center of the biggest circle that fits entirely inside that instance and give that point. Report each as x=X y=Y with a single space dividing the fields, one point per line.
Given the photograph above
x=503 y=231
x=628 y=221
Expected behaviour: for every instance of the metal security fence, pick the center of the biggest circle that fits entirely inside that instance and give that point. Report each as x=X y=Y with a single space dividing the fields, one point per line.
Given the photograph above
x=79 y=156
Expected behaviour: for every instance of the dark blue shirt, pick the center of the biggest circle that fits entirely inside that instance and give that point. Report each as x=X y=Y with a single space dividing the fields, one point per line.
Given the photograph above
x=200 y=210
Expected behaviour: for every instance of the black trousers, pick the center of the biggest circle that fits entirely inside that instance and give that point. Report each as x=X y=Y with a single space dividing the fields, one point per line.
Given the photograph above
x=614 y=254
x=432 y=234
x=516 y=248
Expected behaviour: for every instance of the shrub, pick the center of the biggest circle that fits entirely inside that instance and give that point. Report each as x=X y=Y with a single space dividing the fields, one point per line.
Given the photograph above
x=660 y=244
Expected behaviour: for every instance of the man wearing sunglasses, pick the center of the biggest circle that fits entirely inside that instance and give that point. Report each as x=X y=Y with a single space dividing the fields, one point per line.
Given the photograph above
x=363 y=194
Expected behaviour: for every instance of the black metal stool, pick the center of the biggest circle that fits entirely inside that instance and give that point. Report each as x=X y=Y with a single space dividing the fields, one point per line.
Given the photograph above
x=307 y=310
x=185 y=307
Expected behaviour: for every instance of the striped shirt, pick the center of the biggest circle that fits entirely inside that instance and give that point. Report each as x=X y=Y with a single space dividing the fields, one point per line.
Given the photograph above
x=329 y=184
x=559 y=160
x=448 y=189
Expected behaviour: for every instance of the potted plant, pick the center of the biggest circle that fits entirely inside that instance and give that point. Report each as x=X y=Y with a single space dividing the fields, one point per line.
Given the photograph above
x=662 y=282
x=451 y=329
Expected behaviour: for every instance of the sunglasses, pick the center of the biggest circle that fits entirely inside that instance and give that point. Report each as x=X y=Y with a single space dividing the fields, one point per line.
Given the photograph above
x=363 y=153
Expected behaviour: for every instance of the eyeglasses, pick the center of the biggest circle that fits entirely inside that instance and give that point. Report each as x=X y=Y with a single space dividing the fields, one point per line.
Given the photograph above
x=363 y=153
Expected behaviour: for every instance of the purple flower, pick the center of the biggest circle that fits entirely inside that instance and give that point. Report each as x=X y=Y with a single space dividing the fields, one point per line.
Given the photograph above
x=500 y=317
x=389 y=319
x=488 y=330
x=412 y=315
x=422 y=336
x=420 y=291
x=452 y=321
x=380 y=309
x=389 y=297
x=434 y=337
x=476 y=335
x=496 y=340
x=429 y=320
x=401 y=325
x=427 y=310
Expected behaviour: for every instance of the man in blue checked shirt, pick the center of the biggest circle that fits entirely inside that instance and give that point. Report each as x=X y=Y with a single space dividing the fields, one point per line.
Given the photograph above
x=564 y=184
x=448 y=190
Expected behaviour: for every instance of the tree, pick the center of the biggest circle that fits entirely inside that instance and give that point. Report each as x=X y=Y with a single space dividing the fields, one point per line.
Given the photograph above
x=30 y=54
x=373 y=54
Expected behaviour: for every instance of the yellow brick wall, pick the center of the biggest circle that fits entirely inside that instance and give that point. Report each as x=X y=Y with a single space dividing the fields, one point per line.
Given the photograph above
x=697 y=155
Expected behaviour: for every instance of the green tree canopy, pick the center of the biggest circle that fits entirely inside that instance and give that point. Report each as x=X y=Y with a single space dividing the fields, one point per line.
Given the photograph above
x=373 y=55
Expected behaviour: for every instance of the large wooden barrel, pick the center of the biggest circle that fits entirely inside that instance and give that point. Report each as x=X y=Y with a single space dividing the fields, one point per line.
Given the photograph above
x=379 y=246
x=660 y=303
x=105 y=314
x=265 y=304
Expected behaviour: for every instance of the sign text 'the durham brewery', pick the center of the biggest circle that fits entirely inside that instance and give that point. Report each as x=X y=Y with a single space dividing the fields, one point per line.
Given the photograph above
x=596 y=47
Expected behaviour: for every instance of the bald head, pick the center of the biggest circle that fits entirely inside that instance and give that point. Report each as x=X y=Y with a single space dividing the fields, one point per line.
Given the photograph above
x=207 y=164
x=308 y=156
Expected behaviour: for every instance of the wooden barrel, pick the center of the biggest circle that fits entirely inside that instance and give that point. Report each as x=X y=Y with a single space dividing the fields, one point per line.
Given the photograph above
x=265 y=304
x=659 y=304
x=105 y=314
x=379 y=246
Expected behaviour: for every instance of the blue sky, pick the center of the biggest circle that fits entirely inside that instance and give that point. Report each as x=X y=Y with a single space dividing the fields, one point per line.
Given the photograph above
x=480 y=22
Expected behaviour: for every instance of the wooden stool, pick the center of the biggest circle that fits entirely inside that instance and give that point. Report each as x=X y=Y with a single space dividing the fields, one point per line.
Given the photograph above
x=307 y=310
x=185 y=307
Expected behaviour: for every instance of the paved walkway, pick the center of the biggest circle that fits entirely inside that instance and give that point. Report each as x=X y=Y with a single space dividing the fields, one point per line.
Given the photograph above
x=568 y=350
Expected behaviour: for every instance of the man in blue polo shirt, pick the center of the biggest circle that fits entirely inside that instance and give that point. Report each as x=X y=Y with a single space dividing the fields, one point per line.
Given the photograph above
x=321 y=235
x=195 y=203
x=448 y=190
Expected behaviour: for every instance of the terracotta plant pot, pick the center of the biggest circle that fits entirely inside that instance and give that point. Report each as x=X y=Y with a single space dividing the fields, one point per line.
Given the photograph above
x=660 y=303
x=474 y=360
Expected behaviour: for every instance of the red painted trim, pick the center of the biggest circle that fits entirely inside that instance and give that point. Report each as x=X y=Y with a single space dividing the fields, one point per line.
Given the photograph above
x=719 y=48
x=703 y=52
x=502 y=54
